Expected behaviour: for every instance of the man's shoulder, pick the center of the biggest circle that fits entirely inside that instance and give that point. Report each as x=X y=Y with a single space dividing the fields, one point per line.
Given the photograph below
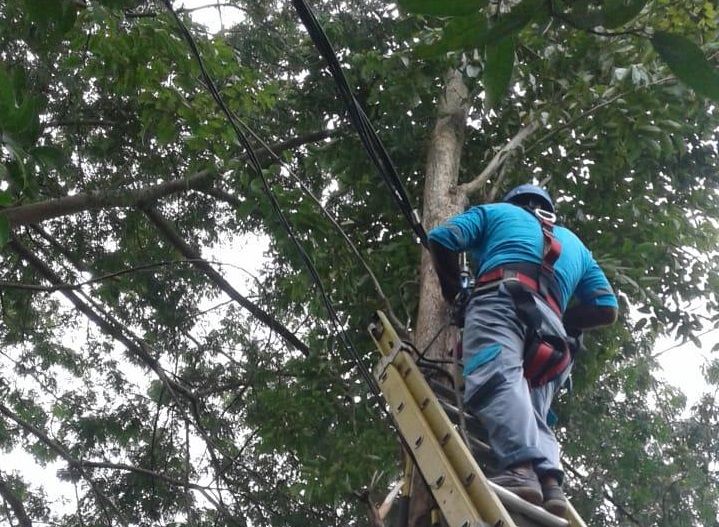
x=499 y=209
x=568 y=237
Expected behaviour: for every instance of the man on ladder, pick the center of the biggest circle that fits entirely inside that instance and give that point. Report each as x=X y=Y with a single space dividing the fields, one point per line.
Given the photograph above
x=516 y=347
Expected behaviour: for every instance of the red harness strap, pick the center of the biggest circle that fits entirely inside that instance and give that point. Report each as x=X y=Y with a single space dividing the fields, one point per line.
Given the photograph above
x=545 y=361
x=500 y=273
x=550 y=254
x=545 y=356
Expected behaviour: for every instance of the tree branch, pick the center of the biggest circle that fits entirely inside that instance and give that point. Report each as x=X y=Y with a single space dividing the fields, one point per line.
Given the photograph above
x=606 y=495
x=593 y=109
x=143 y=471
x=472 y=187
x=79 y=122
x=15 y=504
x=53 y=208
x=62 y=249
x=193 y=255
x=111 y=198
x=134 y=344
x=64 y=286
x=272 y=151
x=105 y=323
x=65 y=454
x=210 y=6
x=167 y=479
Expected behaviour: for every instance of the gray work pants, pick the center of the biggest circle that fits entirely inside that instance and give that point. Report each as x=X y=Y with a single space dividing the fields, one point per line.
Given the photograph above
x=496 y=391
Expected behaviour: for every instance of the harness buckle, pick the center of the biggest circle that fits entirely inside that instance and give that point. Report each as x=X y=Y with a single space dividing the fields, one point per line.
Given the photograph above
x=545 y=216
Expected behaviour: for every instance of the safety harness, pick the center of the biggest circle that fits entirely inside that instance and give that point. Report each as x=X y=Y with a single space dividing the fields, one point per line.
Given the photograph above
x=546 y=352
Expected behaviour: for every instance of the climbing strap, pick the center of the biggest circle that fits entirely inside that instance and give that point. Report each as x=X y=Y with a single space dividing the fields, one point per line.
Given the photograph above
x=546 y=353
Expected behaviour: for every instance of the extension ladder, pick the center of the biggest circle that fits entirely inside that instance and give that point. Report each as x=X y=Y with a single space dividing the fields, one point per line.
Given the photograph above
x=464 y=495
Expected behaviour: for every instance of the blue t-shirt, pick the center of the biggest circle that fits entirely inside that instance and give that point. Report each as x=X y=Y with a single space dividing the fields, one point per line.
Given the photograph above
x=501 y=233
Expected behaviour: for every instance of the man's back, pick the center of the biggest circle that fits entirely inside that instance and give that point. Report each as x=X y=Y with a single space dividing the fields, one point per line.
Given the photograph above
x=500 y=233
x=516 y=349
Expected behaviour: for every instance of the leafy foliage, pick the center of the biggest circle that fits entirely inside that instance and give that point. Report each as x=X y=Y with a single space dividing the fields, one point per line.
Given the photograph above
x=468 y=29
x=103 y=95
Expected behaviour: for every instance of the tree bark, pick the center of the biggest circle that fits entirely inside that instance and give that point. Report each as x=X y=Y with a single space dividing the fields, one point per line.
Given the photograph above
x=54 y=208
x=441 y=200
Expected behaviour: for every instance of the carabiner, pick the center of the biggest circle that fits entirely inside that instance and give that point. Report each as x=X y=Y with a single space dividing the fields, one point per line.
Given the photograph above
x=545 y=215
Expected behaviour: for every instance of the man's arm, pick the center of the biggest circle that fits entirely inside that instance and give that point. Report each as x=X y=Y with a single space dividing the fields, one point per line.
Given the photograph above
x=583 y=317
x=455 y=235
x=597 y=305
x=446 y=265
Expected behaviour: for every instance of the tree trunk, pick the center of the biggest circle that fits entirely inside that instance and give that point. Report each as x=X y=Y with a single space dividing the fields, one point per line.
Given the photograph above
x=441 y=200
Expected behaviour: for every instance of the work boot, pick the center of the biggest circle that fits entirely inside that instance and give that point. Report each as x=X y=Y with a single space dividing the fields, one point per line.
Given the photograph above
x=522 y=481
x=554 y=500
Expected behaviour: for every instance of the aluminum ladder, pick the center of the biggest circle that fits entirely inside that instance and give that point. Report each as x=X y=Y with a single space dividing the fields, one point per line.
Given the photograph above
x=464 y=495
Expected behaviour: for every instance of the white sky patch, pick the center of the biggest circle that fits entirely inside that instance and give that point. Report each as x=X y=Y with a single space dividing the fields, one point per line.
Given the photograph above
x=681 y=364
x=214 y=18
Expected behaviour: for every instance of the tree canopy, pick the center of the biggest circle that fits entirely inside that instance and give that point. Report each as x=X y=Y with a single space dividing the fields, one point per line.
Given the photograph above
x=170 y=395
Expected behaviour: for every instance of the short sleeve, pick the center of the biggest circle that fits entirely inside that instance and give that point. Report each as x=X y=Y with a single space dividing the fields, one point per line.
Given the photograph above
x=594 y=288
x=462 y=231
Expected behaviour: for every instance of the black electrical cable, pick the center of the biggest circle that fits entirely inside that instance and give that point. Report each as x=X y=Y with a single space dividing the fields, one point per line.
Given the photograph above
x=255 y=165
x=371 y=141
x=257 y=168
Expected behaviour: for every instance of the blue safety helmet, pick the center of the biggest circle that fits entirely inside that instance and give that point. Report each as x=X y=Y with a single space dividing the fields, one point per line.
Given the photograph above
x=527 y=192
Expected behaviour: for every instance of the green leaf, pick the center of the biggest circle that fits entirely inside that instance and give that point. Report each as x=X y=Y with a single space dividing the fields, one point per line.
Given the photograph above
x=52 y=19
x=579 y=13
x=7 y=97
x=4 y=231
x=687 y=61
x=18 y=155
x=443 y=7
x=22 y=122
x=515 y=20
x=49 y=156
x=165 y=131
x=619 y=12
x=458 y=34
x=613 y=13
x=475 y=32
x=6 y=199
x=498 y=70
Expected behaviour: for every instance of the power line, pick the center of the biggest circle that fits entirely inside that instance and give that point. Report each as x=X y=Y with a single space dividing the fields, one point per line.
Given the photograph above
x=378 y=288
x=371 y=141
x=256 y=167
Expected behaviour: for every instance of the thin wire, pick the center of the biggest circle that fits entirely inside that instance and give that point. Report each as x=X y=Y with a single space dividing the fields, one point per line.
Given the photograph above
x=679 y=344
x=421 y=354
x=257 y=168
x=363 y=263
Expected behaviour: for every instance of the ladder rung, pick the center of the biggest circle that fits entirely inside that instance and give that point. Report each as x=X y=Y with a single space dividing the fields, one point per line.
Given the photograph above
x=516 y=504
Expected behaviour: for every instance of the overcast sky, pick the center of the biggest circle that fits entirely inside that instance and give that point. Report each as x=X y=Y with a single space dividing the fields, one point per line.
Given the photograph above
x=682 y=364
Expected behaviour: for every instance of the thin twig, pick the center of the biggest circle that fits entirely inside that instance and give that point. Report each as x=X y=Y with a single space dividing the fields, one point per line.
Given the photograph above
x=71 y=461
x=591 y=110
x=498 y=159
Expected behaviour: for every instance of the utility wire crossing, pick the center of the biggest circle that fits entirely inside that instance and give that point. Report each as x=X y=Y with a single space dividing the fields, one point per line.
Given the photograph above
x=371 y=141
